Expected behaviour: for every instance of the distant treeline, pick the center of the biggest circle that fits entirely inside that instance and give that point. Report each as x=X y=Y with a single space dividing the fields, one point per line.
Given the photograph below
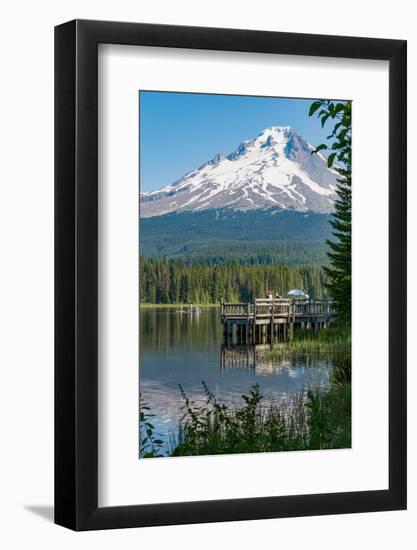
x=291 y=253
x=173 y=281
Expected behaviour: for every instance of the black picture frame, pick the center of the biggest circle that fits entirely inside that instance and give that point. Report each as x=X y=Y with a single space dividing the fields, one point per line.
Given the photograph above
x=76 y=272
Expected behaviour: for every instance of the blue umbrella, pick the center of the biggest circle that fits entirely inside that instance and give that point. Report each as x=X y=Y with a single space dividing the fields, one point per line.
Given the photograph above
x=297 y=293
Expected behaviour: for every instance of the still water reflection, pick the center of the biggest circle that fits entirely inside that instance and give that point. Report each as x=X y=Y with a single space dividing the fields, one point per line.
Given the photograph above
x=186 y=348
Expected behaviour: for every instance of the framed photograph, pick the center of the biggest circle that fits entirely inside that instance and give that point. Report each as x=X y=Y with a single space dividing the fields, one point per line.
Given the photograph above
x=230 y=244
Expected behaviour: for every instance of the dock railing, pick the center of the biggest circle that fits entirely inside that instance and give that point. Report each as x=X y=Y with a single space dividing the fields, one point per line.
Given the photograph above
x=278 y=307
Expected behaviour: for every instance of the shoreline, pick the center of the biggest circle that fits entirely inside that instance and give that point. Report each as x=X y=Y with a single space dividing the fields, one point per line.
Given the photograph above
x=168 y=306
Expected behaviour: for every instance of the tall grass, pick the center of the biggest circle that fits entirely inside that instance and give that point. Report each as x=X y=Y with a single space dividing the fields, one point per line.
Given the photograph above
x=150 y=445
x=312 y=419
x=332 y=340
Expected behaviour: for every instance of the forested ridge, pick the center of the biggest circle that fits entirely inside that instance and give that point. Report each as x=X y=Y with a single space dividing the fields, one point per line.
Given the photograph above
x=174 y=281
x=216 y=236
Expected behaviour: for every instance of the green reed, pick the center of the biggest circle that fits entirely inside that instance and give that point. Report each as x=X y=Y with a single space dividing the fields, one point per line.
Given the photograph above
x=332 y=340
x=313 y=419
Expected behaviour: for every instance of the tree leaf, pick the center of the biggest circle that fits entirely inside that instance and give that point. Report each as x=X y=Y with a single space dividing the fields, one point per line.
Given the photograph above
x=339 y=107
x=330 y=160
x=313 y=107
x=319 y=148
x=324 y=118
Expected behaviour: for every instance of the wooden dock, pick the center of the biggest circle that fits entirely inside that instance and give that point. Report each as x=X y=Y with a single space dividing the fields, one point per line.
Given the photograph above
x=267 y=321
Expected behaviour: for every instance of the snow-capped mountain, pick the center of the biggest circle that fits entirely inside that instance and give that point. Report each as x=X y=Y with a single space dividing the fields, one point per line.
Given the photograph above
x=276 y=169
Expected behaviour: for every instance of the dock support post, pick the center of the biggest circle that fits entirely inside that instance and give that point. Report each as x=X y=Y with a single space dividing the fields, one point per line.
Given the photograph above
x=234 y=334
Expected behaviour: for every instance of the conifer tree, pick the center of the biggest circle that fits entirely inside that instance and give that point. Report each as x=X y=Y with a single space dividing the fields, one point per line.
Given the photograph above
x=339 y=273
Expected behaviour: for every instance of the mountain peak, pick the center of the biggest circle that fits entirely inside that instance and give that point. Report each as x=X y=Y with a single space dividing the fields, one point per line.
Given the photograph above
x=271 y=130
x=275 y=169
x=279 y=133
x=273 y=137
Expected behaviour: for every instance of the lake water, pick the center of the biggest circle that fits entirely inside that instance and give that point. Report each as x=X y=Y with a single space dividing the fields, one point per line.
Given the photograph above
x=186 y=348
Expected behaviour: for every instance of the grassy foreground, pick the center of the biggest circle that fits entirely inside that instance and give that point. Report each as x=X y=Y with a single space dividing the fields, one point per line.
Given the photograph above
x=313 y=419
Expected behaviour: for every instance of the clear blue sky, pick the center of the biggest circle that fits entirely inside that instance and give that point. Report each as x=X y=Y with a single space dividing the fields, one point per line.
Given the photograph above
x=179 y=132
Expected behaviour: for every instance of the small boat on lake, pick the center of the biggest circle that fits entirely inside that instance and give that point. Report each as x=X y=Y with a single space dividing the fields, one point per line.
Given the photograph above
x=189 y=309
